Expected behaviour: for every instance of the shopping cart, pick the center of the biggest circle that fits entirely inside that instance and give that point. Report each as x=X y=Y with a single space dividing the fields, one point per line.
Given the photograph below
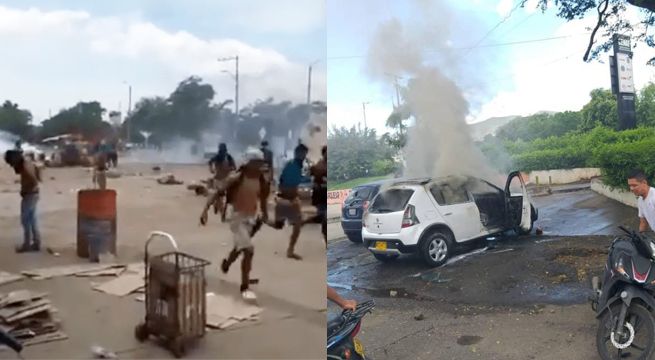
x=175 y=298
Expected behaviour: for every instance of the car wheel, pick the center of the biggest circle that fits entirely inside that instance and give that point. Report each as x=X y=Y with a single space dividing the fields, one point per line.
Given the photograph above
x=436 y=248
x=355 y=237
x=526 y=232
x=385 y=258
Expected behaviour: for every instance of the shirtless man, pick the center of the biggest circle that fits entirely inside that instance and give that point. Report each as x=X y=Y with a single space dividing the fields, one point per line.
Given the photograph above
x=288 y=207
x=221 y=165
x=30 y=176
x=249 y=189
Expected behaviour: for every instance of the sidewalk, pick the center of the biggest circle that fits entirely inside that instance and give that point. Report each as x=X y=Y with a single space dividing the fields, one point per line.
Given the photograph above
x=334 y=213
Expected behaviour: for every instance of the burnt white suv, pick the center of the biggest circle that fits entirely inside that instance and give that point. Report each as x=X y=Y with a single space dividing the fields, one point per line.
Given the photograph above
x=431 y=215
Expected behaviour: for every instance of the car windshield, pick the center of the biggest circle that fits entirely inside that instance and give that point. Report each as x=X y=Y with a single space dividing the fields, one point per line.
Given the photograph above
x=391 y=200
x=361 y=193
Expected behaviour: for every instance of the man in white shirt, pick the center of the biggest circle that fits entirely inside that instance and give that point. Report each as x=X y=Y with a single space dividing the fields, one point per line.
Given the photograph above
x=638 y=184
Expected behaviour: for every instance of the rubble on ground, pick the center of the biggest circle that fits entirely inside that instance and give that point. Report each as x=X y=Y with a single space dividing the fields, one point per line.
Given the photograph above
x=199 y=189
x=169 y=179
x=113 y=174
x=29 y=318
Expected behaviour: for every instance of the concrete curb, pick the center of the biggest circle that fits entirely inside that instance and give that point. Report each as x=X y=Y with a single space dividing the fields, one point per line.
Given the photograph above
x=561 y=190
x=622 y=196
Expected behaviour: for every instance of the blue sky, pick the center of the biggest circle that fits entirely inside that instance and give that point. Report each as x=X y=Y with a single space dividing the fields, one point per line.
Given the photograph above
x=64 y=51
x=497 y=80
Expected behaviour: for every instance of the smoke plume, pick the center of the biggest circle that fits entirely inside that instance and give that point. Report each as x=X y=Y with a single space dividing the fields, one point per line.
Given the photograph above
x=439 y=142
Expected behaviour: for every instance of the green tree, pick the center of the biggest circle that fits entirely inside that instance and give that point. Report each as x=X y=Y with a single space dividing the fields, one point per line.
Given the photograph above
x=646 y=106
x=600 y=111
x=15 y=120
x=85 y=118
x=354 y=153
x=611 y=19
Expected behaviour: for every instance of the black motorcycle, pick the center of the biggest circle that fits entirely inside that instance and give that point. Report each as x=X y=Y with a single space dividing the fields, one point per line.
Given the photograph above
x=625 y=299
x=342 y=330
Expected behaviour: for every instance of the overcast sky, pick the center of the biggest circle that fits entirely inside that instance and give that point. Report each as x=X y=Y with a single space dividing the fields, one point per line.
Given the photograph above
x=58 y=52
x=518 y=79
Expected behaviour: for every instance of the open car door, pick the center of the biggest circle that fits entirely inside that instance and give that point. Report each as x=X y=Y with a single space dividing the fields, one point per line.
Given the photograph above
x=518 y=211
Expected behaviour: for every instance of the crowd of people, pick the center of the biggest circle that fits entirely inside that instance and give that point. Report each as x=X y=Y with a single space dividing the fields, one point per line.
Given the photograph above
x=247 y=190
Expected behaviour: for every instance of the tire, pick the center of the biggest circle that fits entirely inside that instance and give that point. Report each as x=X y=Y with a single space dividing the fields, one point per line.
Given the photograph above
x=526 y=232
x=436 y=248
x=178 y=347
x=141 y=332
x=385 y=258
x=355 y=237
x=644 y=333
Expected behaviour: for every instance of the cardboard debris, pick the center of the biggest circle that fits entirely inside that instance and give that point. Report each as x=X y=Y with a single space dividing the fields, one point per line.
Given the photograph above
x=225 y=311
x=66 y=270
x=136 y=268
x=11 y=313
x=28 y=316
x=19 y=296
x=45 y=338
x=122 y=285
x=6 y=277
x=30 y=312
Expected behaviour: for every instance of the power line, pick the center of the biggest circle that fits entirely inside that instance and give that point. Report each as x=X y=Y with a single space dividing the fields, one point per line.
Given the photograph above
x=497 y=25
x=519 y=42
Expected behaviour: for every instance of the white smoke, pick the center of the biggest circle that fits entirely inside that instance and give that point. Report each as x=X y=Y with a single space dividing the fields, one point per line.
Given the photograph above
x=314 y=135
x=439 y=142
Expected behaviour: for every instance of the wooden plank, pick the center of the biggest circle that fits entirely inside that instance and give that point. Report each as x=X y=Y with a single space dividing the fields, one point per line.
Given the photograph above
x=122 y=285
x=66 y=270
x=28 y=313
x=45 y=338
x=20 y=296
x=10 y=311
x=116 y=271
x=7 y=278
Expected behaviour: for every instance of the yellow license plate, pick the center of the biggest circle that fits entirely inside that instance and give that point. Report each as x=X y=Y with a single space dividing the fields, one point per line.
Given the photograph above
x=380 y=245
x=359 y=348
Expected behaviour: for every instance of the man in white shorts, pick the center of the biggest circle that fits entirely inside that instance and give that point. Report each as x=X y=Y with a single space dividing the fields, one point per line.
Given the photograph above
x=638 y=184
x=248 y=189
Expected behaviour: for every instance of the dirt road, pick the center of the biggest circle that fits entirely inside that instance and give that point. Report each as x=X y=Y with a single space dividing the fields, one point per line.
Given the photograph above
x=292 y=293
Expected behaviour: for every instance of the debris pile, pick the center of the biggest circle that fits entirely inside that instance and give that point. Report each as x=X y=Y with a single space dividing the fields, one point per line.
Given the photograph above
x=169 y=179
x=29 y=318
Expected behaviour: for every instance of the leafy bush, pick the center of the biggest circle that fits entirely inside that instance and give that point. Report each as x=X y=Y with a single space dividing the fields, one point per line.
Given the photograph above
x=617 y=160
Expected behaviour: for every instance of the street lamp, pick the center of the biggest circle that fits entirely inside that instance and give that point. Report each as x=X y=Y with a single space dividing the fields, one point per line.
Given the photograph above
x=129 y=110
x=236 y=80
x=309 y=81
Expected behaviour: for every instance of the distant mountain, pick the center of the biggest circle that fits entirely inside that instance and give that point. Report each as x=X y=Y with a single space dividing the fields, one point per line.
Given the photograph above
x=483 y=128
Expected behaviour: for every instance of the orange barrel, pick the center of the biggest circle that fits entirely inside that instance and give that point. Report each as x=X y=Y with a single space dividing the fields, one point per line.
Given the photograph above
x=96 y=220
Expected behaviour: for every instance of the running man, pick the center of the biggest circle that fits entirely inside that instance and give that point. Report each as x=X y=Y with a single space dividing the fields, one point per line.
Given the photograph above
x=288 y=207
x=249 y=189
x=221 y=165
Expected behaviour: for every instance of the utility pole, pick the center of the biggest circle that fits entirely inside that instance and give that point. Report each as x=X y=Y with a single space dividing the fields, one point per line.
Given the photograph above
x=129 y=111
x=309 y=81
x=364 y=108
x=236 y=80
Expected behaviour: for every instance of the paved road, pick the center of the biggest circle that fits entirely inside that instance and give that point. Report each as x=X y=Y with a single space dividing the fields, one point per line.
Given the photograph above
x=525 y=299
